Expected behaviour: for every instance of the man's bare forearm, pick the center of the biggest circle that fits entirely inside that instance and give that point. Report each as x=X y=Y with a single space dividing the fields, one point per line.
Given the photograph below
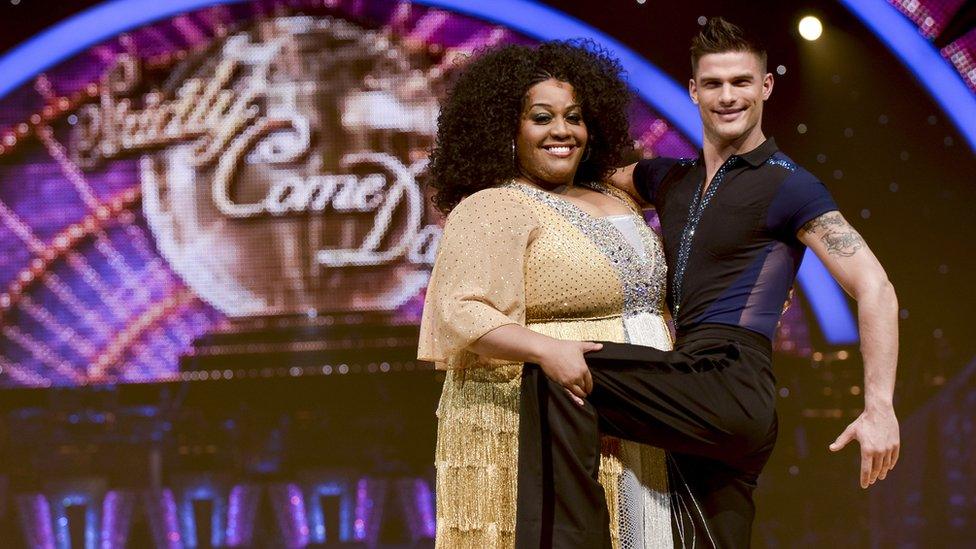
x=877 y=308
x=859 y=272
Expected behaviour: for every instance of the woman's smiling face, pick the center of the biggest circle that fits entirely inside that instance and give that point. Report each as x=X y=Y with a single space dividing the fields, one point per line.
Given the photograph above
x=552 y=134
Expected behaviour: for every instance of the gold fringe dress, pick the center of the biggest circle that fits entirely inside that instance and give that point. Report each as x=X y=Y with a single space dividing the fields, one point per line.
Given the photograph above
x=516 y=254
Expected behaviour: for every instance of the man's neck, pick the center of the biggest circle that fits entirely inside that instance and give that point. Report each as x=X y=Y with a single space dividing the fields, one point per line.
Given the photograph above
x=715 y=152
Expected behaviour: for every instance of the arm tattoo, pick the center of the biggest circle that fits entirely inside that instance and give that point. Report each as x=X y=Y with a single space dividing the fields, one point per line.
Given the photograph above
x=824 y=222
x=837 y=235
x=844 y=244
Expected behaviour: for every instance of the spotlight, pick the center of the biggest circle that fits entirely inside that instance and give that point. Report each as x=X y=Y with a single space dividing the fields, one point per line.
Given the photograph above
x=810 y=28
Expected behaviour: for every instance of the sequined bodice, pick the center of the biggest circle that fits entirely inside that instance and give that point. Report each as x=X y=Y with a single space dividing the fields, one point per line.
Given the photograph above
x=581 y=266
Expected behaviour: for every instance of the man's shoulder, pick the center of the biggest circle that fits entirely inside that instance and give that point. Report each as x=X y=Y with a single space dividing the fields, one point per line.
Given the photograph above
x=798 y=195
x=779 y=161
x=654 y=178
x=669 y=161
x=656 y=170
x=788 y=172
x=786 y=167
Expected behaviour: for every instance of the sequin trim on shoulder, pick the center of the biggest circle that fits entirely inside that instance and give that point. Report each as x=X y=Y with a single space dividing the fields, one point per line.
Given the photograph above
x=782 y=163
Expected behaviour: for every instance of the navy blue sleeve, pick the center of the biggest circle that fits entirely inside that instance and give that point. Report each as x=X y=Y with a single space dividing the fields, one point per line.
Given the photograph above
x=649 y=174
x=800 y=198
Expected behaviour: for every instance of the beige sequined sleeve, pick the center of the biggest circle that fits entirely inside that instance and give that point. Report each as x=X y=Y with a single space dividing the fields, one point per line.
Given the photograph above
x=478 y=280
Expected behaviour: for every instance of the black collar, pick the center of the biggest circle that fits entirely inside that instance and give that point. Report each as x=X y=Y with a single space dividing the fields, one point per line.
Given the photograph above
x=758 y=156
x=755 y=158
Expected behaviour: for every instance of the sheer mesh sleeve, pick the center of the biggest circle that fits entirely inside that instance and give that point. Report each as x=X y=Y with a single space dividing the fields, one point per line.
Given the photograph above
x=478 y=280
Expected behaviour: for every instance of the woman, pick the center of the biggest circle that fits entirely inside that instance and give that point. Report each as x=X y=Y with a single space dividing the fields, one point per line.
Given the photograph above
x=535 y=259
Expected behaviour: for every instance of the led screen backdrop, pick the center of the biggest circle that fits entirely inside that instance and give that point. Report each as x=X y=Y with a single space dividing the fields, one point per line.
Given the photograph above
x=237 y=162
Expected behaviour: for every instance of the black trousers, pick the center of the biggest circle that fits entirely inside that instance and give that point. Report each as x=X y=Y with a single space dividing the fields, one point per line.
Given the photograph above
x=710 y=403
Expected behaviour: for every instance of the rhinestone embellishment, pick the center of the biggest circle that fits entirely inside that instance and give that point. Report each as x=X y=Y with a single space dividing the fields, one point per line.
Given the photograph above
x=782 y=163
x=695 y=211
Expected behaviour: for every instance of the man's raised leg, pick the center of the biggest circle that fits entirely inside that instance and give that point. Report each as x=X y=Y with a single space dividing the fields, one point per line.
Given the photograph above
x=709 y=403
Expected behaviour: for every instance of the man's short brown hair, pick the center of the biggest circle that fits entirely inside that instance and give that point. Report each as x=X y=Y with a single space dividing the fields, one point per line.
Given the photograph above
x=720 y=36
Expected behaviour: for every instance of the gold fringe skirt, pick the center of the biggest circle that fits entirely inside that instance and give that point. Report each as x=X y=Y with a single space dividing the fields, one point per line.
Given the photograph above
x=477 y=447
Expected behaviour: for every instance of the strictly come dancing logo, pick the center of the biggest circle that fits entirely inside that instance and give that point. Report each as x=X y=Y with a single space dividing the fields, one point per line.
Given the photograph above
x=279 y=167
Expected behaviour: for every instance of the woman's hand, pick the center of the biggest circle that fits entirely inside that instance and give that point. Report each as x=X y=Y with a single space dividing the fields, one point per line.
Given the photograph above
x=562 y=361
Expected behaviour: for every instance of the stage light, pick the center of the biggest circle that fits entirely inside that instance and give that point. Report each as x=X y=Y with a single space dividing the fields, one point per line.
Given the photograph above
x=810 y=28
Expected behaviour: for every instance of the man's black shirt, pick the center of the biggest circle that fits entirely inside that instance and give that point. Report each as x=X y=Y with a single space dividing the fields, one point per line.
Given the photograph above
x=732 y=252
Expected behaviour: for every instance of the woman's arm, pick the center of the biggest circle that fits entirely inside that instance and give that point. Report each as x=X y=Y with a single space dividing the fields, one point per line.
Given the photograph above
x=475 y=300
x=561 y=360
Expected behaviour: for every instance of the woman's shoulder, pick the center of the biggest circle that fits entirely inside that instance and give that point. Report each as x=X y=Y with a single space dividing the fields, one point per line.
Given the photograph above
x=501 y=200
x=508 y=192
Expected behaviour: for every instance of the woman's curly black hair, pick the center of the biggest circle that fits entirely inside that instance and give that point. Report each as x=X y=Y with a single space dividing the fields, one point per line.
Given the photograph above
x=479 y=118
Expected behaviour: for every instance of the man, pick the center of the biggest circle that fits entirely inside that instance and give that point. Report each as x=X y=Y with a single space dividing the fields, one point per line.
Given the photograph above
x=736 y=222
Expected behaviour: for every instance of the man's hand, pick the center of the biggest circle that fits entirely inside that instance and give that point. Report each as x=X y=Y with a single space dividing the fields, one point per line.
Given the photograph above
x=877 y=434
x=562 y=361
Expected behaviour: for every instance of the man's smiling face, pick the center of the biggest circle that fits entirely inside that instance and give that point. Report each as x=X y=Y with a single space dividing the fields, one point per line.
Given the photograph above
x=729 y=89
